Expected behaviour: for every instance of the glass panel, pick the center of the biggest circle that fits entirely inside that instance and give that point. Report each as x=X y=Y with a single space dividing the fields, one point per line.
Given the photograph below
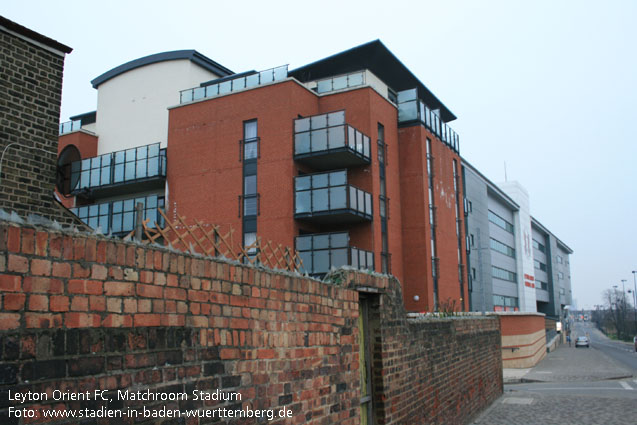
x=93 y=210
x=320 y=200
x=117 y=223
x=250 y=185
x=406 y=95
x=250 y=130
x=250 y=206
x=301 y=143
x=321 y=242
x=93 y=222
x=407 y=111
x=153 y=166
x=212 y=90
x=129 y=204
x=356 y=79
x=238 y=84
x=280 y=73
x=304 y=243
x=338 y=197
x=339 y=257
x=368 y=203
x=352 y=197
x=130 y=171
x=120 y=157
x=128 y=220
x=225 y=87
x=303 y=182
x=370 y=260
x=186 y=96
x=319 y=121
x=303 y=202
x=306 y=258
x=336 y=118
x=302 y=124
x=95 y=162
x=117 y=206
x=361 y=201
x=95 y=177
x=252 y=80
x=130 y=154
x=141 y=169
x=324 y=86
x=198 y=93
x=250 y=150
x=339 y=82
x=320 y=180
x=359 y=142
x=339 y=240
x=151 y=201
x=119 y=173
x=355 y=257
x=366 y=146
x=266 y=76
x=103 y=224
x=142 y=152
x=336 y=137
x=351 y=137
x=338 y=178
x=321 y=261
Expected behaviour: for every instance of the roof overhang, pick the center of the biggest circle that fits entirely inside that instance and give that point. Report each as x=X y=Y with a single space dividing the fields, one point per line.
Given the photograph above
x=381 y=62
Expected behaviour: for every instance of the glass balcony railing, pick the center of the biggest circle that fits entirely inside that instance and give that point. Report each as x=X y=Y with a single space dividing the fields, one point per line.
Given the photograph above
x=410 y=108
x=118 y=217
x=235 y=84
x=328 y=135
x=323 y=252
x=69 y=126
x=130 y=165
x=340 y=82
x=329 y=194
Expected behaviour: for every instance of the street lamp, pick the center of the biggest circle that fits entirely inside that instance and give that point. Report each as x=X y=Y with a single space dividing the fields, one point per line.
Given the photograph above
x=635 y=299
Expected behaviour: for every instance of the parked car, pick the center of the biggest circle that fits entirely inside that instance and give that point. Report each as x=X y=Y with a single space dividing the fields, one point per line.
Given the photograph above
x=582 y=341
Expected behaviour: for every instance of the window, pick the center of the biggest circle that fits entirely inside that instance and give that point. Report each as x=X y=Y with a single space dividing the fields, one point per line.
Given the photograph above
x=508 y=303
x=559 y=259
x=249 y=239
x=560 y=276
x=250 y=140
x=503 y=274
x=540 y=284
x=539 y=246
x=500 y=222
x=539 y=265
x=502 y=248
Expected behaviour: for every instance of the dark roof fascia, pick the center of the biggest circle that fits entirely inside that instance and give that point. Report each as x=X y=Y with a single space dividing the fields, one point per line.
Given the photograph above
x=191 y=55
x=35 y=36
x=376 y=57
x=490 y=185
x=86 y=118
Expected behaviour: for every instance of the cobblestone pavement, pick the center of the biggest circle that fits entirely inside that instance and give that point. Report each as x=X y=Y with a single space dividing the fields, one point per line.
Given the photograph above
x=531 y=408
x=576 y=402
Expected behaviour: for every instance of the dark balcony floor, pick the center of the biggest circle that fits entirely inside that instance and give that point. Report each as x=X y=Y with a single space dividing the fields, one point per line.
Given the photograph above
x=332 y=159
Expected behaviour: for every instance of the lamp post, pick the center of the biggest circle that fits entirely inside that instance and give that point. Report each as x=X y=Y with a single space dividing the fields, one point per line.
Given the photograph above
x=635 y=299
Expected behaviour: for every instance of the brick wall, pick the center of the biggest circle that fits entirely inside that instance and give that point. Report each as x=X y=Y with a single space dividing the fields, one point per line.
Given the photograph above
x=81 y=313
x=30 y=94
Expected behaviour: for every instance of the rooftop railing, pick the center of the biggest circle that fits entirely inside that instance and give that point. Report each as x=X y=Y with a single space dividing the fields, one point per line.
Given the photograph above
x=69 y=126
x=340 y=82
x=235 y=84
x=410 y=108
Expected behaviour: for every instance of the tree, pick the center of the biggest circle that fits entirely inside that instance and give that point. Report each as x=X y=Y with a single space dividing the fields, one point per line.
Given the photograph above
x=617 y=307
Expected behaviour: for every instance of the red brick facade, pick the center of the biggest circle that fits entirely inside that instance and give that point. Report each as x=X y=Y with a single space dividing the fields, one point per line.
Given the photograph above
x=83 y=313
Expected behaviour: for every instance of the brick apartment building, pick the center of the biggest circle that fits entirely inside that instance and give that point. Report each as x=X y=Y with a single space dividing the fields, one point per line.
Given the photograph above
x=349 y=159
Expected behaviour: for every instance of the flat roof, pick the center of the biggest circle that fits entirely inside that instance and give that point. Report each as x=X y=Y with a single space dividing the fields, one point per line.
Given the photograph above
x=191 y=55
x=381 y=62
x=35 y=36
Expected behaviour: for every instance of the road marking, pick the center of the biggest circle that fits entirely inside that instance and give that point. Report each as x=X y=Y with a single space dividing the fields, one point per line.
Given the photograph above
x=625 y=385
x=571 y=389
x=518 y=400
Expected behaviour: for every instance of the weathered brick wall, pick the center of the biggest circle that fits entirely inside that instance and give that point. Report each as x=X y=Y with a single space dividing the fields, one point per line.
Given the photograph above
x=80 y=313
x=30 y=95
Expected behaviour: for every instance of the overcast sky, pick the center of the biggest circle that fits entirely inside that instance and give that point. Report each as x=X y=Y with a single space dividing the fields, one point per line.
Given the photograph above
x=550 y=87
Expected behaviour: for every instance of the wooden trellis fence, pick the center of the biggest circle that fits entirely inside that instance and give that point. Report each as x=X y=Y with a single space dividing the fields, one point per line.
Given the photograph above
x=209 y=240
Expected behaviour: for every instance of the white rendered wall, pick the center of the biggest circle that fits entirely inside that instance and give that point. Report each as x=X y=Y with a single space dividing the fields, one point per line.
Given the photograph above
x=523 y=246
x=132 y=107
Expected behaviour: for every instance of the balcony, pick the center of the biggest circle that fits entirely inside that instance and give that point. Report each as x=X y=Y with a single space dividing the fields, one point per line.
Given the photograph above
x=229 y=84
x=117 y=173
x=326 y=198
x=326 y=142
x=118 y=217
x=410 y=109
x=322 y=252
x=70 y=126
x=340 y=82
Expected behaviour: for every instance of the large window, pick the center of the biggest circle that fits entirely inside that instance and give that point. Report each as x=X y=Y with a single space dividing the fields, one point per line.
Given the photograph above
x=326 y=132
x=539 y=265
x=539 y=246
x=502 y=248
x=324 y=251
x=329 y=192
x=503 y=274
x=501 y=302
x=250 y=195
x=500 y=222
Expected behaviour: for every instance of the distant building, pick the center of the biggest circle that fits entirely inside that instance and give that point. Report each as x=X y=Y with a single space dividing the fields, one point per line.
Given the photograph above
x=515 y=263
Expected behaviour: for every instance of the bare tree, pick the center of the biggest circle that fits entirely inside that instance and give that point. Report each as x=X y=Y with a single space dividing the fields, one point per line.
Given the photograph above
x=617 y=306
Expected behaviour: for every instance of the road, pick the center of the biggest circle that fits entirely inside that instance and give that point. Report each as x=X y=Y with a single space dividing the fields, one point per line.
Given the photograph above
x=572 y=385
x=622 y=352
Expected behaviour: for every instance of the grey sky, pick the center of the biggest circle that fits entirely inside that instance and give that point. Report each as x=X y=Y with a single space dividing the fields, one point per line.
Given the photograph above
x=548 y=86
